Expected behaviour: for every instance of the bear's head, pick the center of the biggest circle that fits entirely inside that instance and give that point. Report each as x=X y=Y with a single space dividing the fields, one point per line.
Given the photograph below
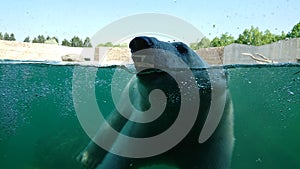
x=150 y=53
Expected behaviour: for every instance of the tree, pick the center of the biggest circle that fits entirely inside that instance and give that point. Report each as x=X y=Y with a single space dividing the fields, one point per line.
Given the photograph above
x=250 y=37
x=35 y=40
x=224 y=40
x=124 y=45
x=51 y=41
x=268 y=37
x=6 y=36
x=257 y=38
x=1 y=36
x=108 y=44
x=27 y=39
x=204 y=43
x=280 y=37
x=295 y=32
x=41 y=39
x=65 y=42
x=56 y=39
x=12 y=37
x=76 y=42
x=87 y=42
x=215 y=42
x=194 y=45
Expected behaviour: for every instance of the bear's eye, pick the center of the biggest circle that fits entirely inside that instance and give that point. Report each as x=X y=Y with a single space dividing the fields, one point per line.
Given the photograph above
x=181 y=48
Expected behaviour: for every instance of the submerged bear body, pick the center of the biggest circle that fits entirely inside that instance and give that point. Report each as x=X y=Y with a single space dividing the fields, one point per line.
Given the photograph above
x=154 y=60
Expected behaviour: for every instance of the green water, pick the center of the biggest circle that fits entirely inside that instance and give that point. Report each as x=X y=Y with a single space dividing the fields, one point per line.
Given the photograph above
x=39 y=128
x=267 y=116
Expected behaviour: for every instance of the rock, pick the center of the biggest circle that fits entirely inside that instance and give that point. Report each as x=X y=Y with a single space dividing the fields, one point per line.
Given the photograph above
x=72 y=58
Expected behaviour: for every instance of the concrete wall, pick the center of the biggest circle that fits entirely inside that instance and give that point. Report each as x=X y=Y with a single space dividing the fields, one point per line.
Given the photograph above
x=282 y=51
x=213 y=56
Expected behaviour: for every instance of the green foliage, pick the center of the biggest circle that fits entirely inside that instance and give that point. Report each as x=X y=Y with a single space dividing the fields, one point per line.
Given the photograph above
x=268 y=37
x=12 y=37
x=295 y=33
x=107 y=44
x=51 y=41
x=256 y=38
x=224 y=40
x=27 y=39
x=194 y=46
x=56 y=39
x=281 y=37
x=215 y=42
x=110 y=44
x=76 y=42
x=204 y=43
x=1 y=36
x=35 y=40
x=6 y=36
x=65 y=42
x=251 y=37
x=87 y=42
x=39 y=39
x=121 y=45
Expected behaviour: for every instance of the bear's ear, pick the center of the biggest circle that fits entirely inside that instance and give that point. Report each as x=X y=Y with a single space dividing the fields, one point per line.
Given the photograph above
x=181 y=47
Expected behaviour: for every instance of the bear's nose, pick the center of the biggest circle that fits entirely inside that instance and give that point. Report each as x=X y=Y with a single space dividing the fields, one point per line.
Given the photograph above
x=139 y=43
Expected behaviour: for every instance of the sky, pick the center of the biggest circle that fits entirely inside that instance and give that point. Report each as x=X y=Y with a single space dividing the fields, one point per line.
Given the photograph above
x=67 y=18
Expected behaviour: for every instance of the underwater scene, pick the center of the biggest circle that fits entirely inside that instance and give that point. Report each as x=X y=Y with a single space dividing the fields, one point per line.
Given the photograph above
x=39 y=128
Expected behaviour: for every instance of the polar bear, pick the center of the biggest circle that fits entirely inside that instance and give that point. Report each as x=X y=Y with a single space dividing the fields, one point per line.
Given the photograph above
x=153 y=59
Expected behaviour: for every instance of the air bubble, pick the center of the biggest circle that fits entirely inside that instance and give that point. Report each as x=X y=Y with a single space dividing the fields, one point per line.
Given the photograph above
x=290 y=92
x=259 y=160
